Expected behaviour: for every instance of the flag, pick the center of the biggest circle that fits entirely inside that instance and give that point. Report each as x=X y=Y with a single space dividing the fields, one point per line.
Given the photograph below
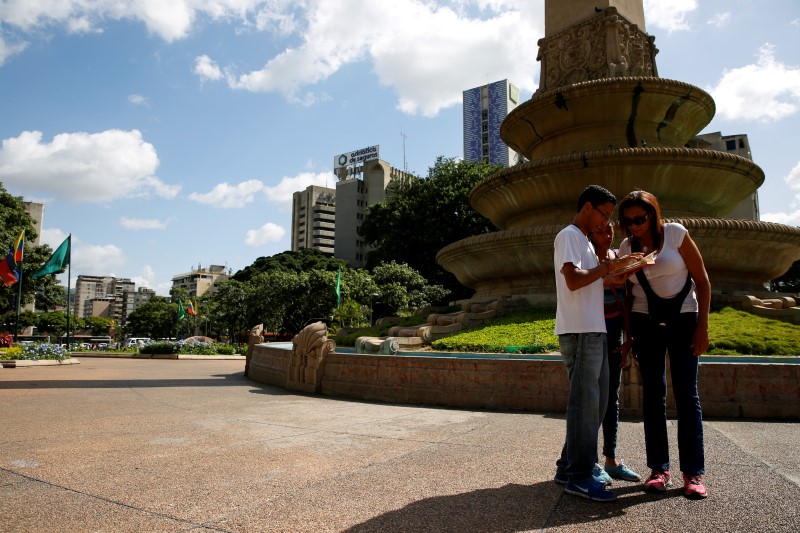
x=190 y=309
x=339 y=288
x=58 y=261
x=181 y=311
x=11 y=266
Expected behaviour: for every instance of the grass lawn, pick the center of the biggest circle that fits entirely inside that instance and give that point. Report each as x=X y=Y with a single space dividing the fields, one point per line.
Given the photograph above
x=731 y=332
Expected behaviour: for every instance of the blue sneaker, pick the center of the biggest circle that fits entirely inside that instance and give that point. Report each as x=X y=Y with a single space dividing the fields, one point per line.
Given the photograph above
x=561 y=478
x=600 y=475
x=622 y=472
x=590 y=489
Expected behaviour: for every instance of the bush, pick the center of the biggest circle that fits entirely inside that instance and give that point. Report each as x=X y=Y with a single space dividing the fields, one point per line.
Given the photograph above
x=36 y=352
x=6 y=340
x=191 y=348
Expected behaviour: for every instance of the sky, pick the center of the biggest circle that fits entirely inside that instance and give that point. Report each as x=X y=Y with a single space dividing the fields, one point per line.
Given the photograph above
x=167 y=135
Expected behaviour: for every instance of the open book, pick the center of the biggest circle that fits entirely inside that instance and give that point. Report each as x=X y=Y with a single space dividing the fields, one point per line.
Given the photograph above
x=647 y=260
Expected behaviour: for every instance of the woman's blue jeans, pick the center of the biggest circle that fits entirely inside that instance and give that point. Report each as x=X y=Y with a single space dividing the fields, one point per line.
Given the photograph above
x=652 y=343
x=585 y=355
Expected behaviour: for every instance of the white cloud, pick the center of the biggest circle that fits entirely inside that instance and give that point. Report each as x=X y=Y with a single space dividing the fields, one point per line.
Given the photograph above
x=774 y=97
x=790 y=218
x=230 y=196
x=719 y=19
x=138 y=99
x=83 y=167
x=89 y=259
x=281 y=194
x=206 y=68
x=437 y=54
x=7 y=50
x=267 y=233
x=136 y=224
x=669 y=15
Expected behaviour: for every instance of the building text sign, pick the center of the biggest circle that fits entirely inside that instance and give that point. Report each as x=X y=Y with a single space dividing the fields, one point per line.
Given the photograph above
x=356 y=157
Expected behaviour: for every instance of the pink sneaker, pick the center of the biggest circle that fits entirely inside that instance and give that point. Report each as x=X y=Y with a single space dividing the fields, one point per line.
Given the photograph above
x=693 y=486
x=658 y=481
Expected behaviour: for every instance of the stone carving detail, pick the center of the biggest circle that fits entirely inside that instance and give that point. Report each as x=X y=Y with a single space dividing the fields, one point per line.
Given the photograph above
x=604 y=46
x=256 y=337
x=375 y=345
x=309 y=349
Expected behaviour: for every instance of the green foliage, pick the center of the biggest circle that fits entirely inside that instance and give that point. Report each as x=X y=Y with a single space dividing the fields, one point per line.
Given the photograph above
x=191 y=348
x=789 y=282
x=421 y=216
x=401 y=289
x=301 y=261
x=156 y=318
x=13 y=219
x=97 y=325
x=35 y=352
x=732 y=332
x=528 y=331
x=735 y=332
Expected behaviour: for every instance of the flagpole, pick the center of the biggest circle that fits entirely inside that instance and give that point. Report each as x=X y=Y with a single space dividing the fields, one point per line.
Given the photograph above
x=69 y=282
x=19 y=302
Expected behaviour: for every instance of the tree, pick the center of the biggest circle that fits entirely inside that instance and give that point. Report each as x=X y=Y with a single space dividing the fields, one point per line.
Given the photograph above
x=97 y=325
x=302 y=261
x=156 y=318
x=789 y=282
x=420 y=217
x=53 y=323
x=401 y=289
x=13 y=219
x=227 y=308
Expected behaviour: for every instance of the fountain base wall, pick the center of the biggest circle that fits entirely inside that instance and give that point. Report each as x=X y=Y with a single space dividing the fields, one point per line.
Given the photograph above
x=738 y=390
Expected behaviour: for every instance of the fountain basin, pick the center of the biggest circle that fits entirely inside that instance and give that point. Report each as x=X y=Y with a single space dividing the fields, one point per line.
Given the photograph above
x=623 y=112
x=728 y=389
x=686 y=182
x=519 y=261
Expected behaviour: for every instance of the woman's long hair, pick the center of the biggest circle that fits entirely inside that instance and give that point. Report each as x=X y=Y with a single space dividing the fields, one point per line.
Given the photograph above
x=649 y=203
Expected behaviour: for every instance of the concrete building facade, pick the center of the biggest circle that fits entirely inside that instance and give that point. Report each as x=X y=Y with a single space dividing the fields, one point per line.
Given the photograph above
x=484 y=110
x=314 y=219
x=36 y=212
x=103 y=296
x=357 y=189
x=200 y=280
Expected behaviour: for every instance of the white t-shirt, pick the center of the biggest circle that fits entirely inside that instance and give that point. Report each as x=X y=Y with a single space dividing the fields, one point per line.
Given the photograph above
x=667 y=275
x=579 y=311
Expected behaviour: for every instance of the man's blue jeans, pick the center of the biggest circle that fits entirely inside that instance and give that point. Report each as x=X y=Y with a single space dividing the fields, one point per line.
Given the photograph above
x=652 y=343
x=585 y=356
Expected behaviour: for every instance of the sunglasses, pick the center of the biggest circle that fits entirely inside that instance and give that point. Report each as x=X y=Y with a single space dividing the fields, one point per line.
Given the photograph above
x=636 y=221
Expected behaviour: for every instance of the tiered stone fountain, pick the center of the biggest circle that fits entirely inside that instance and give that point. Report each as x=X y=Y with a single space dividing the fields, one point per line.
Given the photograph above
x=602 y=115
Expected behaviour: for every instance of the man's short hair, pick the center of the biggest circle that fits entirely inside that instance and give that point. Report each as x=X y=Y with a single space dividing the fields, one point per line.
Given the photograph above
x=596 y=195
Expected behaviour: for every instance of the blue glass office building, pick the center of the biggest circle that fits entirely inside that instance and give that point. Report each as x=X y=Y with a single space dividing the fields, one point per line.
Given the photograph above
x=485 y=108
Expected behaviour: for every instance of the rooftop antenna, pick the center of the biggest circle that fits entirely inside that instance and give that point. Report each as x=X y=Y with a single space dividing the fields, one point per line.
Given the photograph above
x=405 y=166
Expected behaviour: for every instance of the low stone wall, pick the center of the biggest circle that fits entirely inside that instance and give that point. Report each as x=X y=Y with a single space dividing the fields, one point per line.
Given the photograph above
x=737 y=390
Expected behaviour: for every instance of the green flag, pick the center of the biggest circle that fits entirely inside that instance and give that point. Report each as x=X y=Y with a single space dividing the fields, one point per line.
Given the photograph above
x=181 y=310
x=339 y=288
x=57 y=262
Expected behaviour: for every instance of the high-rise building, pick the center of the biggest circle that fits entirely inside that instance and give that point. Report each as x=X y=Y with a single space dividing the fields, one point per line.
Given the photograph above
x=200 y=280
x=358 y=188
x=314 y=219
x=738 y=145
x=484 y=109
x=36 y=212
x=102 y=296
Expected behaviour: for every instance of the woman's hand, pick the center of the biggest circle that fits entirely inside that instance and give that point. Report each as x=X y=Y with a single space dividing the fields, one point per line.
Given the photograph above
x=628 y=351
x=700 y=340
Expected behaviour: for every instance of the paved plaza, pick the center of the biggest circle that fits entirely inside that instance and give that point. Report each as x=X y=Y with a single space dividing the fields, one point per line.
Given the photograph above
x=175 y=445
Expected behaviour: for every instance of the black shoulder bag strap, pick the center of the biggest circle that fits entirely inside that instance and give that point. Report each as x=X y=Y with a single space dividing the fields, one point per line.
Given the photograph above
x=662 y=310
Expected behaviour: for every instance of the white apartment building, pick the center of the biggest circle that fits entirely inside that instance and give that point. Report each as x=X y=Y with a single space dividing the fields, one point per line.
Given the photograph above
x=314 y=219
x=102 y=296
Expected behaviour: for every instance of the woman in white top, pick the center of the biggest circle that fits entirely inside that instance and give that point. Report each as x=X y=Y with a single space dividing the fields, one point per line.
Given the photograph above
x=669 y=313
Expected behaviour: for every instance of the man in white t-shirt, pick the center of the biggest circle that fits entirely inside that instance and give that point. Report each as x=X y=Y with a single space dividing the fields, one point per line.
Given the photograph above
x=581 y=330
